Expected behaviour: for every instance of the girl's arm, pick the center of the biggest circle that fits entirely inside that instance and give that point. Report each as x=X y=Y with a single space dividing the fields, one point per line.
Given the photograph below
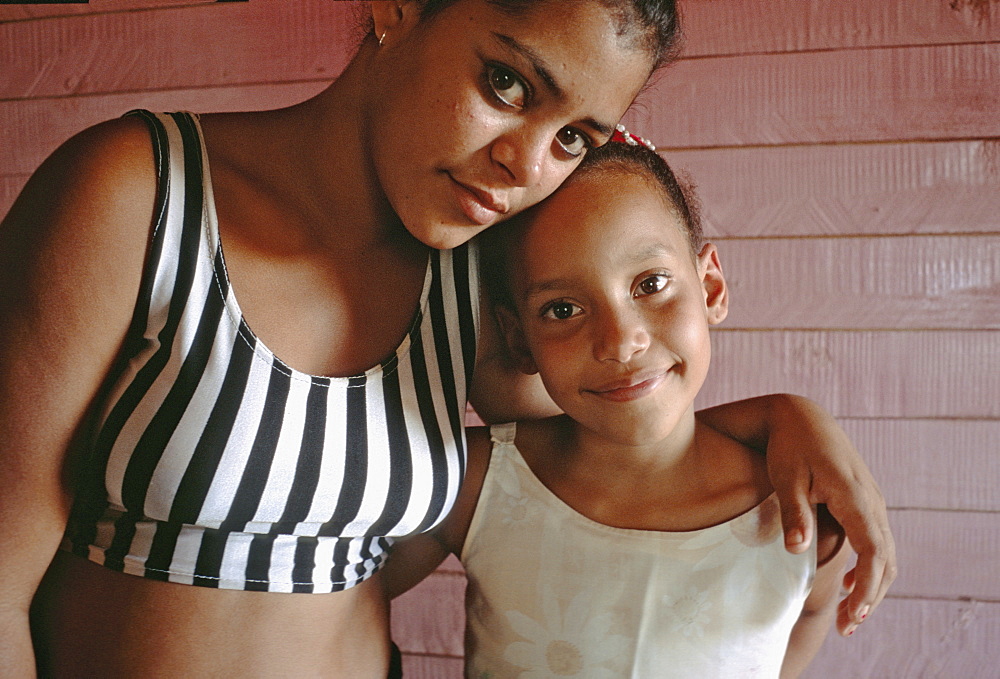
x=821 y=605
x=811 y=461
x=71 y=256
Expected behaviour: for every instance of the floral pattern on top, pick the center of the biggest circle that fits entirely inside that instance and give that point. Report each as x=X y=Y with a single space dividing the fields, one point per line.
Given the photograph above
x=554 y=594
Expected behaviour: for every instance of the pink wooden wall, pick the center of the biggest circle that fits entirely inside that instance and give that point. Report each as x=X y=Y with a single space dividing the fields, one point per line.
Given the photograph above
x=848 y=155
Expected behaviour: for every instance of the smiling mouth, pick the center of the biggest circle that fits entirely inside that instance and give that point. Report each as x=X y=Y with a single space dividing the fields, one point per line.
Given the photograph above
x=479 y=206
x=630 y=389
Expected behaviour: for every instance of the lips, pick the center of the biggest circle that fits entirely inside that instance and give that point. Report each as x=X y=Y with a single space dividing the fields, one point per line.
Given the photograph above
x=481 y=207
x=630 y=388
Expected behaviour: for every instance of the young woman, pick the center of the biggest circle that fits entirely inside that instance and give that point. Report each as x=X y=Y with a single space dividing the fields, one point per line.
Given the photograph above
x=270 y=420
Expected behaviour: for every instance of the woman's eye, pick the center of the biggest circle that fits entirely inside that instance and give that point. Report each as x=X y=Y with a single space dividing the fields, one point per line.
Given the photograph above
x=572 y=141
x=507 y=86
x=652 y=285
x=561 y=311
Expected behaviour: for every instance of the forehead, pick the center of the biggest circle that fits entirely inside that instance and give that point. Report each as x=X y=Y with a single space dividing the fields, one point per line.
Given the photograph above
x=578 y=43
x=599 y=220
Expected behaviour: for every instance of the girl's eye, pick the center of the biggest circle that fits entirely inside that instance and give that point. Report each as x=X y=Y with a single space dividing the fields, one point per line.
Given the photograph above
x=507 y=86
x=572 y=141
x=560 y=311
x=652 y=284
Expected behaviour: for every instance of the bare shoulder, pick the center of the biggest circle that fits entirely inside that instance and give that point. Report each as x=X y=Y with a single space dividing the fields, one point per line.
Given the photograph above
x=92 y=198
x=109 y=165
x=72 y=249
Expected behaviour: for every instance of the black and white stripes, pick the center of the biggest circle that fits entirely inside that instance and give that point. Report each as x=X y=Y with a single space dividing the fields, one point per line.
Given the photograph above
x=216 y=464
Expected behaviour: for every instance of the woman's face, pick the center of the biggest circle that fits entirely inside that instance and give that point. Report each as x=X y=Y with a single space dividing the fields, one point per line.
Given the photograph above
x=477 y=115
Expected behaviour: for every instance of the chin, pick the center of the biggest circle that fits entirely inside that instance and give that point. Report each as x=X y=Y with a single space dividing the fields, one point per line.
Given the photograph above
x=446 y=237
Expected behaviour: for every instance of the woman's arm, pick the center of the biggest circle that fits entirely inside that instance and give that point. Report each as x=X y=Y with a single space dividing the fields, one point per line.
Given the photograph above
x=415 y=558
x=811 y=461
x=70 y=264
x=500 y=391
x=820 y=606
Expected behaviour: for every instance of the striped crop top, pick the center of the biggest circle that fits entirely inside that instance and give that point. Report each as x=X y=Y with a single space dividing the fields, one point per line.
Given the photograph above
x=215 y=464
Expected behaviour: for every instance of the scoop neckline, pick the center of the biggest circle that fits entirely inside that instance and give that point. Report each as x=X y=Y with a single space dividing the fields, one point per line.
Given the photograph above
x=566 y=508
x=232 y=306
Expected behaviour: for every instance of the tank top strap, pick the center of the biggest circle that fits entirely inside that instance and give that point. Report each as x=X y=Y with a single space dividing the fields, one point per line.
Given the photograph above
x=503 y=433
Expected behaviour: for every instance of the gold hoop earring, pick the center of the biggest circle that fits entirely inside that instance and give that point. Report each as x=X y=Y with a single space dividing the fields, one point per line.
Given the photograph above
x=381 y=38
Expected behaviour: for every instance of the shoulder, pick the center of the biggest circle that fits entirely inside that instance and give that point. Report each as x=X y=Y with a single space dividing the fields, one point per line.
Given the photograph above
x=72 y=249
x=102 y=180
x=73 y=245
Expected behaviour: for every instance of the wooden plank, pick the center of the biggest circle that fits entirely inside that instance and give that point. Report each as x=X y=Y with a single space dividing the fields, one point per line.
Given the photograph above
x=946 y=555
x=22 y=11
x=938 y=187
x=929 y=282
x=715 y=27
x=46 y=123
x=908 y=188
x=916 y=638
x=932 y=464
x=126 y=51
x=430 y=618
x=932 y=374
x=10 y=187
x=891 y=94
x=720 y=27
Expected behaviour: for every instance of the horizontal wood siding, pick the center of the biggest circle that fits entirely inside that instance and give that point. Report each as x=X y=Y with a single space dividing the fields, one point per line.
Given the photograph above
x=848 y=158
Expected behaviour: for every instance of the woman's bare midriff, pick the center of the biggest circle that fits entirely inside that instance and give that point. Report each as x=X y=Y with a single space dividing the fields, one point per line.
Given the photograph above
x=88 y=620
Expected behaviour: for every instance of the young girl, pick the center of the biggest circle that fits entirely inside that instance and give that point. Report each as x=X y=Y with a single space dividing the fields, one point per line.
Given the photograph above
x=623 y=538
x=236 y=349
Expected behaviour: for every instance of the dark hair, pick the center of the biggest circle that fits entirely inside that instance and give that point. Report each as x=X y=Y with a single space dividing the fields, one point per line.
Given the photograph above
x=613 y=158
x=654 y=23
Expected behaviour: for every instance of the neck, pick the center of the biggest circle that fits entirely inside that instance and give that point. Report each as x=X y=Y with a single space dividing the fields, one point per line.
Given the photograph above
x=328 y=167
x=673 y=454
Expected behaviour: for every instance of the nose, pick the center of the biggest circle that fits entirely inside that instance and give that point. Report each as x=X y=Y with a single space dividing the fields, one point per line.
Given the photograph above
x=521 y=155
x=620 y=336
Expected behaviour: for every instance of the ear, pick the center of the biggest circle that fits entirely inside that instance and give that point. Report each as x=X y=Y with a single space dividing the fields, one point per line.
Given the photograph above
x=517 y=345
x=391 y=17
x=714 y=283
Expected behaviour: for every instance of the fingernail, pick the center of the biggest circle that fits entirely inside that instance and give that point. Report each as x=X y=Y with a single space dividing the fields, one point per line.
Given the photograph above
x=864 y=612
x=795 y=537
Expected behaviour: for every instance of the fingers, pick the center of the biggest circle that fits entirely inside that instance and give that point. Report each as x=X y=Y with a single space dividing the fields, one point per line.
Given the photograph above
x=797 y=518
x=874 y=572
x=866 y=524
x=845 y=625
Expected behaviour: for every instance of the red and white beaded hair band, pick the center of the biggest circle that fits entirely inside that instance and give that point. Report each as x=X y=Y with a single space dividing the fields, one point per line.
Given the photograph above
x=625 y=137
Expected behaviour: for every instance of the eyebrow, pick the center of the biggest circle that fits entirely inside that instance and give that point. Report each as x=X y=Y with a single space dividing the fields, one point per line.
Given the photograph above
x=653 y=250
x=545 y=75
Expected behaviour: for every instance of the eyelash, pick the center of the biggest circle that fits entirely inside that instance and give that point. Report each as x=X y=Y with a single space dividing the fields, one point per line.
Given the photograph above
x=493 y=69
x=665 y=277
x=551 y=306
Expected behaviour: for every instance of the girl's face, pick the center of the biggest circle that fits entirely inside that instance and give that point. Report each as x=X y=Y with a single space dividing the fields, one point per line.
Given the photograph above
x=614 y=309
x=478 y=115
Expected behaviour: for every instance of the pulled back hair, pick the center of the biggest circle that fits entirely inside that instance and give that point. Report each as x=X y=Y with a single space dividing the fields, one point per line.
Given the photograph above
x=645 y=163
x=653 y=24
x=611 y=161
